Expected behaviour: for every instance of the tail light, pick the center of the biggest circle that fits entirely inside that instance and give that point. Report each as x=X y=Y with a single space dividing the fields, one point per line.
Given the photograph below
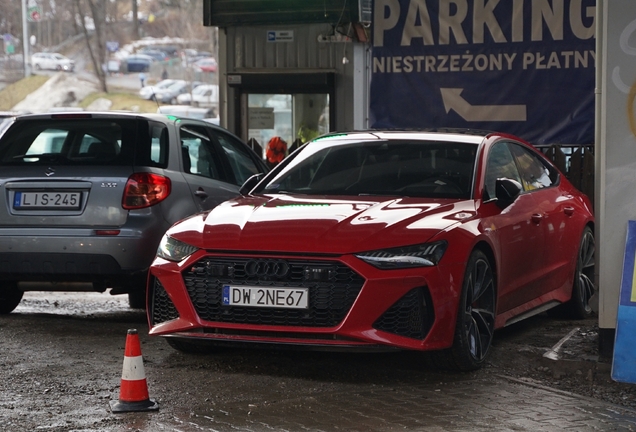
x=145 y=190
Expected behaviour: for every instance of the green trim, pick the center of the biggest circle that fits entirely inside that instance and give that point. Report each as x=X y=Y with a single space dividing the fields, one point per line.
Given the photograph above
x=225 y=13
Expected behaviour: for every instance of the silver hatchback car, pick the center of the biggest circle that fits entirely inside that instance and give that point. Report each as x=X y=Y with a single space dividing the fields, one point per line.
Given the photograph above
x=87 y=197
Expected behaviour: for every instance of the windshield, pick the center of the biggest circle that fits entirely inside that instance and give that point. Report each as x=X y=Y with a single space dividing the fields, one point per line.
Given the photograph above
x=415 y=168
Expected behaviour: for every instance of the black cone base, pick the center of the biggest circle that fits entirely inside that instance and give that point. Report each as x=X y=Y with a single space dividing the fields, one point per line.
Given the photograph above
x=121 y=406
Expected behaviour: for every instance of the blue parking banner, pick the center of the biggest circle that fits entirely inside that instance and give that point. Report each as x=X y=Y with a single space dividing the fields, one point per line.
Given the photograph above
x=624 y=359
x=525 y=67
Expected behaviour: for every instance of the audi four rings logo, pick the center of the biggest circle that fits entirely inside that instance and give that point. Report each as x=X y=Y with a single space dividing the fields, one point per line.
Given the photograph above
x=260 y=268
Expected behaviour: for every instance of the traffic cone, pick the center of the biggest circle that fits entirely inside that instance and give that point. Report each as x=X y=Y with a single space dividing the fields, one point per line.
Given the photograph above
x=133 y=392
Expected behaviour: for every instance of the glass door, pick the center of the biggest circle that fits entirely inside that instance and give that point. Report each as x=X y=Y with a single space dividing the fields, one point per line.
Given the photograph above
x=292 y=118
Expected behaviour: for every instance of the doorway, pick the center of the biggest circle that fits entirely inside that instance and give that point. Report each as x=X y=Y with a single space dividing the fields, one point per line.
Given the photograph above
x=293 y=107
x=287 y=116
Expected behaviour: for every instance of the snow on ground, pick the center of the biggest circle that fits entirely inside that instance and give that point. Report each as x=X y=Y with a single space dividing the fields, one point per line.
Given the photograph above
x=61 y=90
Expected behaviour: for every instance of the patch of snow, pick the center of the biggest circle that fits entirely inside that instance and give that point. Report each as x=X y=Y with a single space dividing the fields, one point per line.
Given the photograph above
x=61 y=90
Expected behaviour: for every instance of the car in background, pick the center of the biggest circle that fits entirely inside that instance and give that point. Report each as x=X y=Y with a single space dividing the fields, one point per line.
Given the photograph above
x=86 y=197
x=206 y=114
x=138 y=63
x=169 y=94
x=148 y=92
x=205 y=95
x=52 y=61
x=426 y=241
x=193 y=55
x=155 y=54
x=207 y=64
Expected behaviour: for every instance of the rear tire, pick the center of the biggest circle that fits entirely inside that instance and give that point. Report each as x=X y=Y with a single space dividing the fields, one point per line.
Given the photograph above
x=475 y=325
x=583 y=287
x=10 y=297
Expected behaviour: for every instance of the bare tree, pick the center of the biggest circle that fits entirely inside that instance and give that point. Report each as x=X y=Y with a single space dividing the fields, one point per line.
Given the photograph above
x=96 y=50
x=135 y=19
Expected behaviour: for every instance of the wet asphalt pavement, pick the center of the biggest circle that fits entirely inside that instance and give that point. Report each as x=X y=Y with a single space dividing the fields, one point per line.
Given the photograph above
x=61 y=364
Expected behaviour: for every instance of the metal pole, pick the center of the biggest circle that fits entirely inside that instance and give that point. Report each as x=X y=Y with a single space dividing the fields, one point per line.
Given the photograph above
x=25 y=40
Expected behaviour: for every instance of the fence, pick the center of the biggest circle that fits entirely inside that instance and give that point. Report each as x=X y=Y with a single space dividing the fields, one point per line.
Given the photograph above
x=576 y=162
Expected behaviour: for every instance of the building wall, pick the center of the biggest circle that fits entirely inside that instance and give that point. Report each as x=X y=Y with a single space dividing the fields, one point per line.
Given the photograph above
x=616 y=152
x=314 y=48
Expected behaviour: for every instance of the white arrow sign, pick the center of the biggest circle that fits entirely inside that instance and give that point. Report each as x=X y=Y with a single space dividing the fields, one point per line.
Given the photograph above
x=480 y=113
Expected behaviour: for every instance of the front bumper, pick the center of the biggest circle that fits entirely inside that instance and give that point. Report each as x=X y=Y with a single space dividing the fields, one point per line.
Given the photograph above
x=408 y=309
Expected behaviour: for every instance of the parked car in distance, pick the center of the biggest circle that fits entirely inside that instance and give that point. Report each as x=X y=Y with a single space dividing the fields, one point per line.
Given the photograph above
x=138 y=63
x=207 y=64
x=148 y=92
x=426 y=241
x=86 y=197
x=206 y=114
x=52 y=61
x=192 y=55
x=205 y=95
x=155 y=54
x=169 y=94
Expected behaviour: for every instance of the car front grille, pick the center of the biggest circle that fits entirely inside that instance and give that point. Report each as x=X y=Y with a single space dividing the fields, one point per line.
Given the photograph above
x=411 y=316
x=333 y=287
x=162 y=308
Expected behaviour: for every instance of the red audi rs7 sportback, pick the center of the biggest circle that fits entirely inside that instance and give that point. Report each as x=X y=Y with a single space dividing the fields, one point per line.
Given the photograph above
x=427 y=240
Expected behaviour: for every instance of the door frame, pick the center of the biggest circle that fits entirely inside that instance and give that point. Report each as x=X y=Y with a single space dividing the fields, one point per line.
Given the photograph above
x=279 y=83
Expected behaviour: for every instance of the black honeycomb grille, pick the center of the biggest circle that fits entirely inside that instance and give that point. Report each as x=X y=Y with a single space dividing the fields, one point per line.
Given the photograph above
x=411 y=316
x=333 y=287
x=162 y=307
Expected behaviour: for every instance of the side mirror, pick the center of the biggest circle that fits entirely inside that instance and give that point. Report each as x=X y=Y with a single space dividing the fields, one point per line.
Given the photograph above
x=250 y=183
x=507 y=190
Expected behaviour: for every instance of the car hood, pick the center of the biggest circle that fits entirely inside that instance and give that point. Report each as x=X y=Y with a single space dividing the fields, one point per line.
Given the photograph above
x=320 y=225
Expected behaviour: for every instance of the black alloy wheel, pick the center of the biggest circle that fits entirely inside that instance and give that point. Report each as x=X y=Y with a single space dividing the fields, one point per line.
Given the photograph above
x=583 y=287
x=476 y=316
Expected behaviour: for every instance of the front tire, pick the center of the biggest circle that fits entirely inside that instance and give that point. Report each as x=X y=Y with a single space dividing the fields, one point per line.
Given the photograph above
x=10 y=297
x=137 y=291
x=137 y=299
x=475 y=325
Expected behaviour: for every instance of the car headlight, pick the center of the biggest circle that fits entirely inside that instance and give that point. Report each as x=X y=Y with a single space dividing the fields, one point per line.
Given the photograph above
x=174 y=250
x=422 y=255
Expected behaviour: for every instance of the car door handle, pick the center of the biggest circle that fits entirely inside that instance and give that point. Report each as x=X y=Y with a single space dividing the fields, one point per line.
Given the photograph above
x=569 y=211
x=201 y=193
x=536 y=218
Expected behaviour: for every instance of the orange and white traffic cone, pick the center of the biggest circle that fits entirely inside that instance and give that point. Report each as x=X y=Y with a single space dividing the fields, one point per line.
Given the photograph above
x=133 y=392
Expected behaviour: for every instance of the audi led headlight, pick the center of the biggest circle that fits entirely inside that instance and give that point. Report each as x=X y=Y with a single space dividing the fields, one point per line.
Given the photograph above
x=174 y=250
x=422 y=255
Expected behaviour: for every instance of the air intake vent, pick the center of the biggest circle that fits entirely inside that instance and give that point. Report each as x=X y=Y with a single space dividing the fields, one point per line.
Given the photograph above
x=162 y=307
x=411 y=316
x=333 y=287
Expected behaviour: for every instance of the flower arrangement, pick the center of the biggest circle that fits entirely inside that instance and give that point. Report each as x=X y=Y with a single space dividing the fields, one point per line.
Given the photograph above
x=276 y=150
